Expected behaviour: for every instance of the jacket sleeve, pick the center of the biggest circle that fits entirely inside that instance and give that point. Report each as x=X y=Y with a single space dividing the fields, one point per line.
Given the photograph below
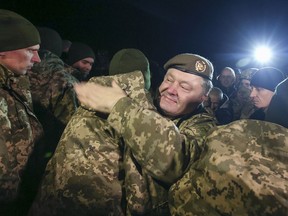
x=64 y=100
x=155 y=141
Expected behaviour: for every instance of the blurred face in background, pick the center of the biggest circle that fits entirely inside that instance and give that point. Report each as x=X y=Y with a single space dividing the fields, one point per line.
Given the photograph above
x=245 y=83
x=261 y=97
x=21 y=60
x=215 y=101
x=227 y=78
x=84 y=66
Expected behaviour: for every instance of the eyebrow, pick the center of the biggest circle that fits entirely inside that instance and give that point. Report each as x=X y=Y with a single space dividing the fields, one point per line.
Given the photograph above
x=181 y=81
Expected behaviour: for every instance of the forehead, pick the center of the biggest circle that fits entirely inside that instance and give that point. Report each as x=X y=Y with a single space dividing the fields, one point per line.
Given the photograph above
x=261 y=90
x=227 y=72
x=183 y=76
x=88 y=59
x=215 y=98
x=37 y=46
x=19 y=51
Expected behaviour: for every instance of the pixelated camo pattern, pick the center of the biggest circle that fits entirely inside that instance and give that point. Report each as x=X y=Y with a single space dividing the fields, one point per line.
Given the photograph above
x=85 y=175
x=19 y=131
x=134 y=180
x=162 y=150
x=243 y=171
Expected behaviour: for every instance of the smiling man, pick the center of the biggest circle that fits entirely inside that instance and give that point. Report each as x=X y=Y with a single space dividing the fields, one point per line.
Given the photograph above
x=19 y=127
x=263 y=83
x=122 y=159
x=162 y=143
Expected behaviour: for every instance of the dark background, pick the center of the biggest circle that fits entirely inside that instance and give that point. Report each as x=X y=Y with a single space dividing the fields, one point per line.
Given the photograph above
x=224 y=31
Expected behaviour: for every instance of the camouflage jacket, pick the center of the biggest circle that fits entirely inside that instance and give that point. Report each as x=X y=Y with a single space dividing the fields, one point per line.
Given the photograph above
x=52 y=87
x=163 y=148
x=243 y=171
x=74 y=72
x=100 y=164
x=19 y=131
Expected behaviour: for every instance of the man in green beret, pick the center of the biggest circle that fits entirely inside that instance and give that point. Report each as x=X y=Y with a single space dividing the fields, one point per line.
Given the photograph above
x=163 y=142
x=19 y=127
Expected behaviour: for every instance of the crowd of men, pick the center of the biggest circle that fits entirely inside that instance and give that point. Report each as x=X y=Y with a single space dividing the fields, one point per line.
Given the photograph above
x=119 y=145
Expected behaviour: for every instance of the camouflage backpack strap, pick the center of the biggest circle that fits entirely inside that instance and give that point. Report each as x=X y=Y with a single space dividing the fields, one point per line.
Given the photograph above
x=244 y=170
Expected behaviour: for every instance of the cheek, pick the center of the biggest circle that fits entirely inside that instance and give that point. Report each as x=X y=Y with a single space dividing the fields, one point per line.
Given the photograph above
x=267 y=99
x=162 y=87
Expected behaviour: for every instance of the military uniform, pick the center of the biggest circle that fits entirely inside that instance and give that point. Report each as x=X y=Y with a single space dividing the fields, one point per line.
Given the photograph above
x=242 y=104
x=53 y=96
x=52 y=87
x=20 y=129
x=54 y=102
x=77 y=74
x=102 y=166
x=243 y=171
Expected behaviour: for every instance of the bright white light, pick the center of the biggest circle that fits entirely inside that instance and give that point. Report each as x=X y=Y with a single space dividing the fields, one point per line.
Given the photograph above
x=263 y=54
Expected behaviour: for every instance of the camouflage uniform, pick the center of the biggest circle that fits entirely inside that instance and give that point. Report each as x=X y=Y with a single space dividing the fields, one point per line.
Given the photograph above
x=243 y=171
x=52 y=87
x=54 y=102
x=77 y=74
x=242 y=104
x=54 y=98
x=102 y=165
x=20 y=129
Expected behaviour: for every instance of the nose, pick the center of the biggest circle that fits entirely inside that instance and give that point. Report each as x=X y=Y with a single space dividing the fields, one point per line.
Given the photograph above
x=35 y=57
x=172 y=89
x=88 y=68
x=253 y=93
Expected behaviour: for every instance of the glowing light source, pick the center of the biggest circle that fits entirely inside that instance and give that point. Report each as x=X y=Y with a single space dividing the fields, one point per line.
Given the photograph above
x=263 y=54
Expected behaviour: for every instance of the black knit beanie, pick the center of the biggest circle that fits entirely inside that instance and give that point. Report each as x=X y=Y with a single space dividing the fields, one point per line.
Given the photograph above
x=129 y=60
x=267 y=78
x=50 y=40
x=16 y=32
x=77 y=52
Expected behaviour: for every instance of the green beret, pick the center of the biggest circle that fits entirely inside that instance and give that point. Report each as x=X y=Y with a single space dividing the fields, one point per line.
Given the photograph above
x=16 y=32
x=193 y=64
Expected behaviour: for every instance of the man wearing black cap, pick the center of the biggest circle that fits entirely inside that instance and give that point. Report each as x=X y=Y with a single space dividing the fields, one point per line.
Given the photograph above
x=162 y=144
x=81 y=57
x=263 y=83
x=19 y=128
x=278 y=107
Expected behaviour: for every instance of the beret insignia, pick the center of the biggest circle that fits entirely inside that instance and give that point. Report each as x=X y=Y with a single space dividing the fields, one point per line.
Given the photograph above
x=200 y=66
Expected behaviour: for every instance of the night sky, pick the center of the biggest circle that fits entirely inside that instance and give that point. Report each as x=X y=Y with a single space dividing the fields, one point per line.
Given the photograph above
x=224 y=31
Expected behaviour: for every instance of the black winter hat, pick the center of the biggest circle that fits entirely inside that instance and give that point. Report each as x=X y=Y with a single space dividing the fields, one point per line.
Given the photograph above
x=16 y=32
x=191 y=63
x=267 y=78
x=78 y=51
x=50 y=40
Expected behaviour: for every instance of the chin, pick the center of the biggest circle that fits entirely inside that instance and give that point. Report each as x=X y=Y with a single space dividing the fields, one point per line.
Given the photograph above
x=19 y=73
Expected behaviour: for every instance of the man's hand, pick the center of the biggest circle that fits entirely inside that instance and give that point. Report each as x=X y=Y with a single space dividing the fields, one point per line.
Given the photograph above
x=97 y=97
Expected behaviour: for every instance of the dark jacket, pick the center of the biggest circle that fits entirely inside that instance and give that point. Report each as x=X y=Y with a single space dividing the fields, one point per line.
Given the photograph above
x=278 y=108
